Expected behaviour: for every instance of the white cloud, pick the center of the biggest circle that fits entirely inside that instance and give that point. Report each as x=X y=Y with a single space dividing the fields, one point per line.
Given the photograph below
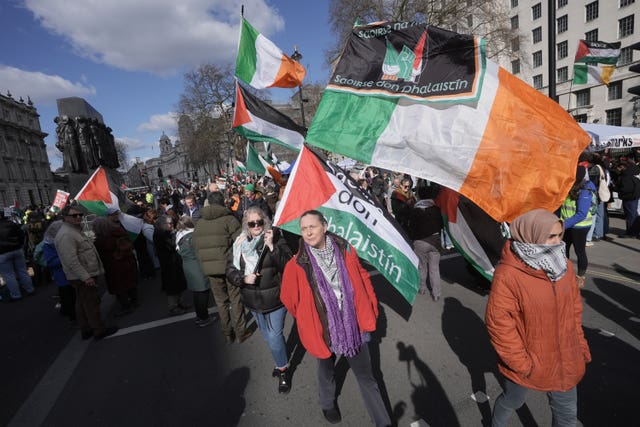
x=42 y=88
x=160 y=36
x=160 y=122
x=134 y=144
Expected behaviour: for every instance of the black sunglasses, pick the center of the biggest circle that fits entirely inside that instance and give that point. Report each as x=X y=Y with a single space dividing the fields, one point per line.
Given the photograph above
x=78 y=215
x=258 y=223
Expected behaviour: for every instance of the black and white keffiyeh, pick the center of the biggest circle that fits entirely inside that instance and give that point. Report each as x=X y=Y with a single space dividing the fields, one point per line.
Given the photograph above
x=552 y=259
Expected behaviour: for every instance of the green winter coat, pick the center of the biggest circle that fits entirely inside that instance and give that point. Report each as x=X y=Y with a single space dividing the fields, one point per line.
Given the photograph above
x=196 y=280
x=213 y=238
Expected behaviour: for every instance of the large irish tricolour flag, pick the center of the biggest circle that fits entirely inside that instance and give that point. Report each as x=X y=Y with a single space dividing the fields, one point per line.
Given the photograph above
x=262 y=64
x=436 y=108
x=318 y=184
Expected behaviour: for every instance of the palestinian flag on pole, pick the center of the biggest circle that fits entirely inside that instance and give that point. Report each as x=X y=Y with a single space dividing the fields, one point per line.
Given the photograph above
x=351 y=214
x=97 y=198
x=595 y=62
x=456 y=119
x=476 y=235
x=254 y=162
x=262 y=64
x=258 y=121
x=240 y=167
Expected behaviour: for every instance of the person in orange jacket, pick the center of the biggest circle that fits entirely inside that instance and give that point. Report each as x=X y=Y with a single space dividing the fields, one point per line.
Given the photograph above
x=330 y=294
x=534 y=319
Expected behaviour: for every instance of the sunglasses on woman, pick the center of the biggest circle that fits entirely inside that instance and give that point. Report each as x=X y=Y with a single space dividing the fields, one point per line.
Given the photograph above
x=253 y=224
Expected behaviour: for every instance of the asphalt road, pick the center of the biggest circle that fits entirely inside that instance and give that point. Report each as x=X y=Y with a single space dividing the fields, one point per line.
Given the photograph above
x=430 y=359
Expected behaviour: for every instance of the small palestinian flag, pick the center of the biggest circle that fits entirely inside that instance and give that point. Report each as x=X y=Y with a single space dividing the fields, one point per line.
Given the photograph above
x=258 y=121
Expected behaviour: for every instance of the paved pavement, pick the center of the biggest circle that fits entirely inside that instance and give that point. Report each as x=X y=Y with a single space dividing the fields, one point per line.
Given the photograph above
x=430 y=359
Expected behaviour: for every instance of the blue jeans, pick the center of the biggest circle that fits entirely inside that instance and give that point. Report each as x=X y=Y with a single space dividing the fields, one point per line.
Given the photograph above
x=597 y=228
x=13 y=268
x=564 y=405
x=271 y=325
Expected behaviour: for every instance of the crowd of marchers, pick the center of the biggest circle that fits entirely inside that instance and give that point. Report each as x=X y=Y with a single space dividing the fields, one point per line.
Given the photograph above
x=217 y=241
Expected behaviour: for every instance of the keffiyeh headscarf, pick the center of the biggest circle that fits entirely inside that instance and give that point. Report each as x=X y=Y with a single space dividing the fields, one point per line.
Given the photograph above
x=330 y=272
x=529 y=232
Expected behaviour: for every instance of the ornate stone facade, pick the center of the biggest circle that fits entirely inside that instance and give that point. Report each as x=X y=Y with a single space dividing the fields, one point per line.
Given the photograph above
x=173 y=163
x=25 y=173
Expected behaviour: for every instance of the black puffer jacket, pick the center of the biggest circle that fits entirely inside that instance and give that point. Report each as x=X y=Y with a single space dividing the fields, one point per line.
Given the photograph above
x=11 y=236
x=628 y=185
x=264 y=296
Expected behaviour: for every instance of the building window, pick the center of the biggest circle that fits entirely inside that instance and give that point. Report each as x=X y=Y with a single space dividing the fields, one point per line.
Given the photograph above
x=562 y=49
x=563 y=24
x=537 y=59
x=614 y=117
x=625 y=26
x=515 y=67
x=515 y=44
x=536 y=11
x=563 y=74
x=537 y=35
x=623 y=3
x=591 y=36
x=562 y=3
x=626 y=56
x=615 y=90
x=514 y=22
x=580 y=118
x=591 y=11
x=537 y=81
x=583 y=98
x=514 y=3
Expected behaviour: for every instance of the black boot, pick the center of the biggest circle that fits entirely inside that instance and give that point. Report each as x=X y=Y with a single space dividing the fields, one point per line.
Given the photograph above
x=284 y=384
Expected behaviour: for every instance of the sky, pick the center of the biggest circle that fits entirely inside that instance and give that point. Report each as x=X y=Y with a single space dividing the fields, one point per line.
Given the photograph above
x=128 y=58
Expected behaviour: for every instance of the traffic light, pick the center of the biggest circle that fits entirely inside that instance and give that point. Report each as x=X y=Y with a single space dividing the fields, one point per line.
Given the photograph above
x=635 y=90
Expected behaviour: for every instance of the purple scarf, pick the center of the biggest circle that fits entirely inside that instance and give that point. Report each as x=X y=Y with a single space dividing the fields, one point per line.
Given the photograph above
x=346 y=338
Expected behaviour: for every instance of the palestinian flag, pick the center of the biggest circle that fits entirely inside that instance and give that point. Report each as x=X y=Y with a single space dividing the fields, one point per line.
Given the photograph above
x=457 y=119
x=258 y=121
x=240 y=167
x=595 y=62
x=474 y=234
x=254 y=161
x=351 y=214
x=262 y=64
x=97 y=198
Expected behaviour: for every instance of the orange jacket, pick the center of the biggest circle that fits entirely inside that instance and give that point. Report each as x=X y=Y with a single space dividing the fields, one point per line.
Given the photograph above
x=535 y=325
x=298 y=295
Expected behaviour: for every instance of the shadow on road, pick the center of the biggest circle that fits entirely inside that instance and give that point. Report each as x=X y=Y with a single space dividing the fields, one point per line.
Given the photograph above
x=232 y=403
x=430 y=402
x=607 y=393
x=633 y=275
x=611 y=311
x=624 y=295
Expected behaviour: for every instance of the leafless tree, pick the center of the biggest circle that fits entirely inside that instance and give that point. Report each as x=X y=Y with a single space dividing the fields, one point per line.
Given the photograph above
x=487 y=18
x=205 y=114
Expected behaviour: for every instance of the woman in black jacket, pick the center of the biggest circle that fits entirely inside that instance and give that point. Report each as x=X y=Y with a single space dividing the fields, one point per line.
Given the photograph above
x=255 y=266
x=171 y=273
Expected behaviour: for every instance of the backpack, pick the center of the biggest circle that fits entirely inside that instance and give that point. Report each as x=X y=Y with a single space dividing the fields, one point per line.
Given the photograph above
x=38 y=255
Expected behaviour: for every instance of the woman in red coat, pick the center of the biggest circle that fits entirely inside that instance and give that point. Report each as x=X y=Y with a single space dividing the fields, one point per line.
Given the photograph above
x=329 y=293
x=534 y=319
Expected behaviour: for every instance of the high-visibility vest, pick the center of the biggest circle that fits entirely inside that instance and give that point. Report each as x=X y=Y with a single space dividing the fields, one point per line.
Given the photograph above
x=569 y=208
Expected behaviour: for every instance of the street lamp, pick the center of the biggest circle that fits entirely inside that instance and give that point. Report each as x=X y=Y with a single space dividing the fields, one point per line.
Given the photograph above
x=297 y=56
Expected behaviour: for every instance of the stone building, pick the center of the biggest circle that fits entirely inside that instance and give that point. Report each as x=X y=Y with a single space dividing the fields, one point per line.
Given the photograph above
x=591 y=20
x=25 y=173
x=173 y=163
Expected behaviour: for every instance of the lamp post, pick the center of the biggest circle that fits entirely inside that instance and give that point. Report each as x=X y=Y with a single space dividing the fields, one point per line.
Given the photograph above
x=297 y=56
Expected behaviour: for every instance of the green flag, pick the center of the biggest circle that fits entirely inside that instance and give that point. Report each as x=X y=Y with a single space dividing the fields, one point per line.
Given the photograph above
x=253 y=161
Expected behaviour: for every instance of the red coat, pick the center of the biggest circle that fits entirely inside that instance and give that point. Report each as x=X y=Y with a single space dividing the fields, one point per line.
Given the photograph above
x=535 y=325
x=299 y=296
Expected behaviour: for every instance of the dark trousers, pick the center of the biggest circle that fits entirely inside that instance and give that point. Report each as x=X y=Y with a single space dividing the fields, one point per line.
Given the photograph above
x=630 y=208
x=361 y=366
x=201 y=303
x=67 y=301
x=577 y=237
x=230 y=307
x=88 y=307
x=128 y=298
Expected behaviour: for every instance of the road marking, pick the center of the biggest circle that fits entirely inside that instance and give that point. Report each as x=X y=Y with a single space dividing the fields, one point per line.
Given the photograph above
x=157 y=323
x=617 y=277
